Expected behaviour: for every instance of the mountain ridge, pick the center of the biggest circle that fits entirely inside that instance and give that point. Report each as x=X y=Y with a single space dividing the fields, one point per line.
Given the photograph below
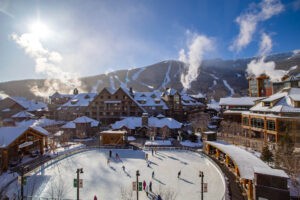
x=217 y=77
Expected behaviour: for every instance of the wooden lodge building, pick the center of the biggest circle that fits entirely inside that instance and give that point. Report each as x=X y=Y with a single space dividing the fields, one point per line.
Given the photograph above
x=273 y=117
x=258 y=180
x=19 y=141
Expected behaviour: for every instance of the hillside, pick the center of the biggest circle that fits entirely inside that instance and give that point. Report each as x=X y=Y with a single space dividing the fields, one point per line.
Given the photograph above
x=218 y=78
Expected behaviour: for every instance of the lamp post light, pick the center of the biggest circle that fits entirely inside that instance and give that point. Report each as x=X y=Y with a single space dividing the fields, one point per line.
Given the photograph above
x=137 y=184
x=78 y=171
x=201 y=175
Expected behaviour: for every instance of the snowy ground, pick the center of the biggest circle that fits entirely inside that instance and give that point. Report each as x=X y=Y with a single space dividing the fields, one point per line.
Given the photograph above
x=106 y=181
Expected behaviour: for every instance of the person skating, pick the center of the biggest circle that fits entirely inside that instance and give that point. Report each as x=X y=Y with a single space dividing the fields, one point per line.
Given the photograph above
x=152 y=151
x=110 y=152
x=144 y=185
x=108 y=161
x=179 y=173
x=150 y=186
x=158 y=197
x=153 y=174
x=95 y=197
x=123 y=167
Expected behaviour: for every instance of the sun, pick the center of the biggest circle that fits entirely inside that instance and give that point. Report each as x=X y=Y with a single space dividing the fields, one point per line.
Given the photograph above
x=39 y=29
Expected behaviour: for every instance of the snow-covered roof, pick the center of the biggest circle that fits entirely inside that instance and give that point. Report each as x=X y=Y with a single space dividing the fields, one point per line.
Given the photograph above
x=187 y=100
x=58 y=95
x=213 y=105
x=246 y=162
x=80 y=100
x=42 y=122
x=23 y=114
x=10 y=134
x=283 y=103
x=238 y=101
x=29 y=105
x=148 y=99
x=136 y=122
x=83 y=119
x=170 y=92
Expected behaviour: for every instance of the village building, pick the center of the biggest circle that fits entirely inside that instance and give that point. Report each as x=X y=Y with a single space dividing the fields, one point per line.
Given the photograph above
x=13 y=105
x=260 y=86
x=151 y=102
x=232 y=107
x=19 y=141
x=258 y=180
x=151 y=126
x=77 y=106
x=55 y=101
x=181 y=105
x=112 y=105
x=81 y=127
x=274 y=117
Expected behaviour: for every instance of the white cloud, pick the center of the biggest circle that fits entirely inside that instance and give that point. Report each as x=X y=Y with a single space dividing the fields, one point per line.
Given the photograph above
x=198 y=45
x=265 y=46
x=248 y=21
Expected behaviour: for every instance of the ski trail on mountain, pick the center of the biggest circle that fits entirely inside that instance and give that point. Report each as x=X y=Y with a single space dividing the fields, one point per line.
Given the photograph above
x=229 y=88
x=167 y=77
x=137 y=74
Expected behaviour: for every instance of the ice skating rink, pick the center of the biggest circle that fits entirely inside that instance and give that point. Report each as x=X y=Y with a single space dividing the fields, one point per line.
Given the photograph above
x=110 y=182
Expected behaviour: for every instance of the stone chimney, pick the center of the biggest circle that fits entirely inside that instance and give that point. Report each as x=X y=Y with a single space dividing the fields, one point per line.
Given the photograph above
x=145 y=119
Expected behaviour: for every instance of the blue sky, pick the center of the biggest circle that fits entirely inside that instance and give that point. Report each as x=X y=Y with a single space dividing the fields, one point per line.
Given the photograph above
x=93 y=37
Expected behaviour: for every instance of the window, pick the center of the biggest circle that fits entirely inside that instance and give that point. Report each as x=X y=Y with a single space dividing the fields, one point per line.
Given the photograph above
x=246 y=121
x=267 y=104
x=257 y=123
x=271 y=125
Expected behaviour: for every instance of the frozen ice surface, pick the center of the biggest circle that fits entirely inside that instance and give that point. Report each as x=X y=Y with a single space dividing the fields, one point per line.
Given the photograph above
x=106 y=180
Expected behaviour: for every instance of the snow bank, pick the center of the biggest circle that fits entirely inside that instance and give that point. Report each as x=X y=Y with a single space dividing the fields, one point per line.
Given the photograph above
x=158 y=143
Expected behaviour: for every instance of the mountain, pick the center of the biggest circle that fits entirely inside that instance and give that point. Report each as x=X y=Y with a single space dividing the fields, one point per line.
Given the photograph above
x=217 y=78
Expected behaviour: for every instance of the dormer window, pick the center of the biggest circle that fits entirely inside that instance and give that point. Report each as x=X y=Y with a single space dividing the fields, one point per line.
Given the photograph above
x=153 y=96
x=74 y=101
x=267 y=104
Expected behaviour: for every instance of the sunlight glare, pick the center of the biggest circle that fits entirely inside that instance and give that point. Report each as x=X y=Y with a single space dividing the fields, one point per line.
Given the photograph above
x=39 y=29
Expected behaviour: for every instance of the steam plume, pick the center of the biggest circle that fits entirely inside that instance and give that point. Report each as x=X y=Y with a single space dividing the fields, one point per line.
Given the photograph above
x=197 y=47
x=46 y=63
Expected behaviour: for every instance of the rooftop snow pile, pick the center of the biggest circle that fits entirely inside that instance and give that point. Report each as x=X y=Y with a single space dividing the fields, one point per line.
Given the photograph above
x=246 y=162
x=80 y=120
x=29 y=105
x=136 y=122
x=23 y=114
x=10 y=134
x=82 y=99
x=281 y=102
x=238 y=101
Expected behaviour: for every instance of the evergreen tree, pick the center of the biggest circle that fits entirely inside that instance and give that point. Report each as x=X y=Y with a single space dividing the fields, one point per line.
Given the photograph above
x=266 y=154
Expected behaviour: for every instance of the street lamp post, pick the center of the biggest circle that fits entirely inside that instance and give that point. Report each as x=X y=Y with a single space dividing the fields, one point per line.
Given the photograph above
x=78 y=171
x=137 y=184
x=201 y=175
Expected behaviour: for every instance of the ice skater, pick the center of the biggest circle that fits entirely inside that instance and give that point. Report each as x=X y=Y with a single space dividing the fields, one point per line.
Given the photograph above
x=123 y=167
x=150 y=186
x=95 y=197
x=110 y=152
x=148 y=163
x=146 y=156
x=152 y=151
x=108 y=161
x=117 y=156
x=179 y=173
x=144 y=185
x=153 y=174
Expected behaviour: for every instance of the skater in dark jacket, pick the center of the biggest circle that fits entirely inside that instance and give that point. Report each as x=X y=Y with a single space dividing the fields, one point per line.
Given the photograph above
x=150 y=186
x=179 y=173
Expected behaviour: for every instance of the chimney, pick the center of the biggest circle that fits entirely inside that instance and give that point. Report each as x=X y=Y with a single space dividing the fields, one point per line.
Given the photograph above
x=75 y=91
x=131 y=92
x=145 y=119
